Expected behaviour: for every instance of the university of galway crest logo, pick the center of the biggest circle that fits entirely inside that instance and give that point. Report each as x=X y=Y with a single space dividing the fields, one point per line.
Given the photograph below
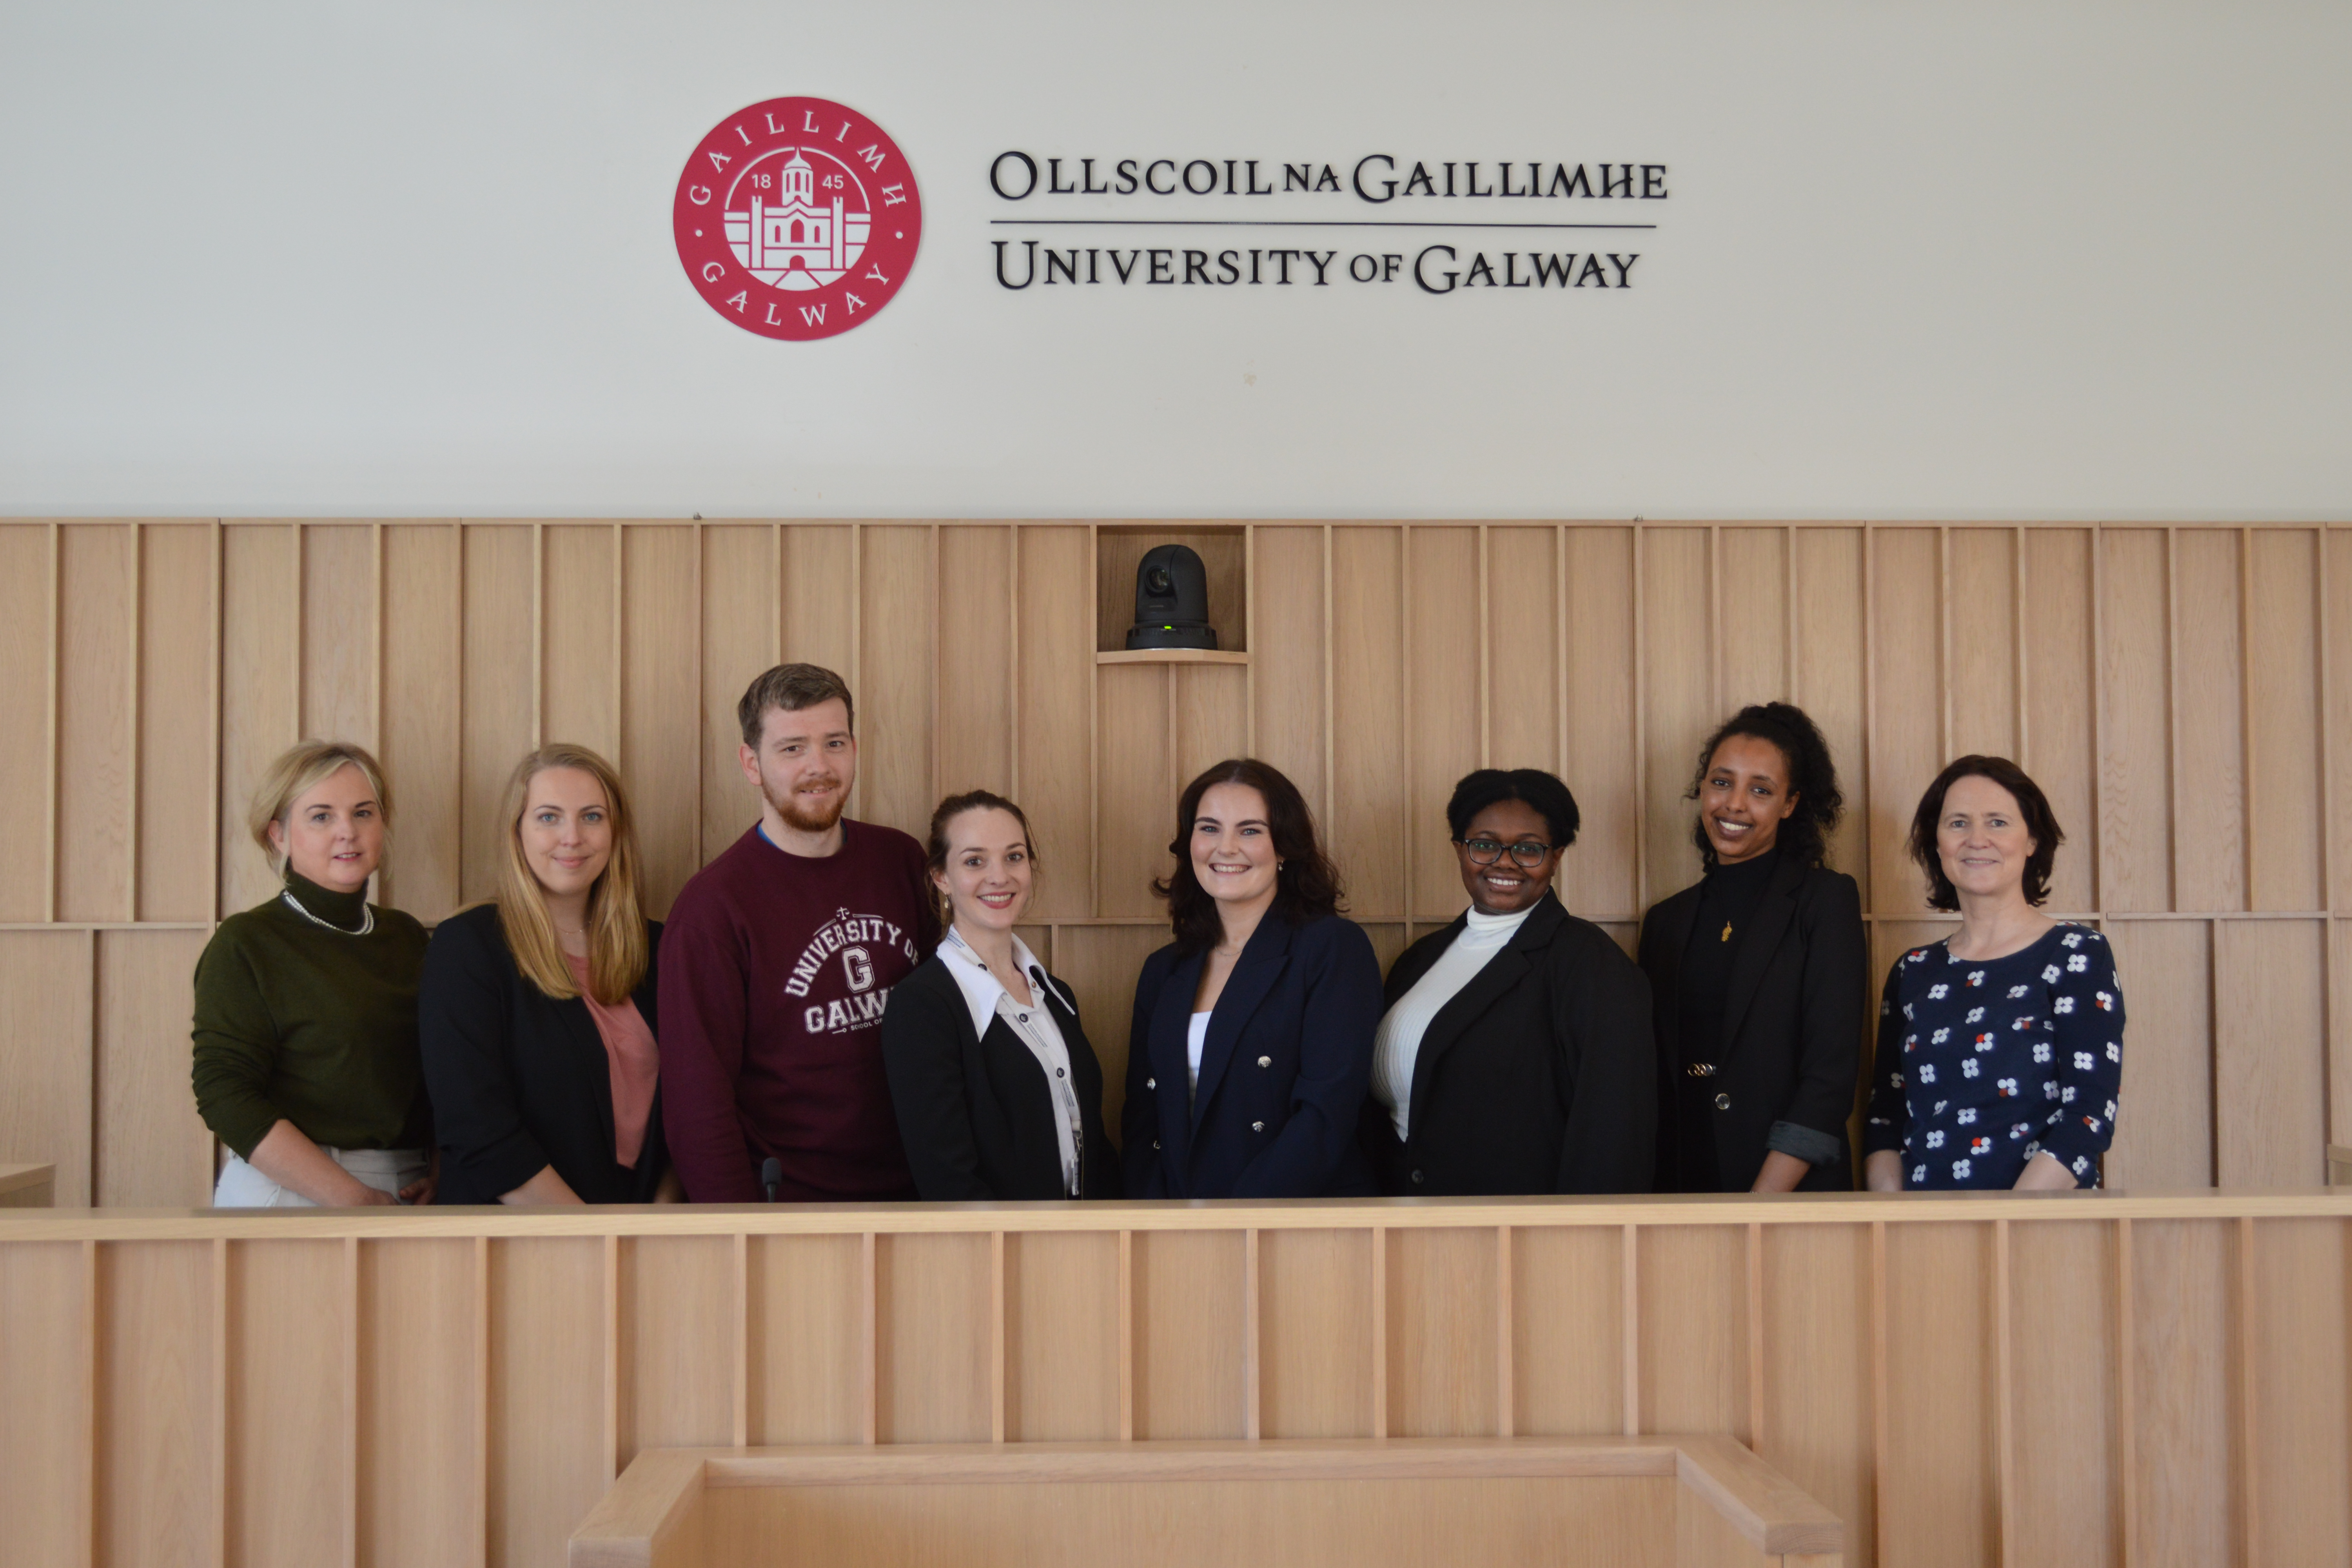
x=797 y=218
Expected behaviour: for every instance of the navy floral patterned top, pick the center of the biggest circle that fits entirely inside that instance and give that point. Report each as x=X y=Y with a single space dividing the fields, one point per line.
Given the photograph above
x=1982 y=1066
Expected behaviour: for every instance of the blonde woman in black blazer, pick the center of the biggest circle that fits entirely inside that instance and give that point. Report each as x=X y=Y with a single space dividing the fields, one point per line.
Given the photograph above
x=1758 y=973
x=537 y=1015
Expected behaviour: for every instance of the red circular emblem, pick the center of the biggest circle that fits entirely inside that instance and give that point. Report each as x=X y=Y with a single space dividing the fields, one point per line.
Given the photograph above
x=797 y=218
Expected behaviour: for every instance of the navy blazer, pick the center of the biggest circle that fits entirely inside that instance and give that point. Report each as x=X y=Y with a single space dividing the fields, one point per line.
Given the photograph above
x=1283 y=1072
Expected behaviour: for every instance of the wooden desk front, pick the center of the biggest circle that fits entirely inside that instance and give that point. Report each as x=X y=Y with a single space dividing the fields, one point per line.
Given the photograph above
x=2101 y=1378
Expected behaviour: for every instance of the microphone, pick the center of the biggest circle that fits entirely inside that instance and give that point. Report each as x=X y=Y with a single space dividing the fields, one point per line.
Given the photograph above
x=771 y=1175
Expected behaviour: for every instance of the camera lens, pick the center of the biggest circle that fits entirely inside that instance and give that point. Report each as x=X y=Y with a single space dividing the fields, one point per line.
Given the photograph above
x=1157 y=581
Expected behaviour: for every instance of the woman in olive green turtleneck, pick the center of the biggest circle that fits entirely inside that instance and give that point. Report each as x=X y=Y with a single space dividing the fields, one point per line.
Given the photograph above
x=306 y=1059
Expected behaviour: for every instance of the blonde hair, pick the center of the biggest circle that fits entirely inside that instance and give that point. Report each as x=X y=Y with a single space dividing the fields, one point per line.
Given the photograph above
x=617 y=950
x=298 y=769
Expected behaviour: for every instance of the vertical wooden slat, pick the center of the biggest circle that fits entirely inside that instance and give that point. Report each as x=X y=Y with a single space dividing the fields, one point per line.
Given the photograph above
x=1093 y=736
x=1404 y=697
x=347 y=1469
x=213 y=732
x=1330 y=797
x=2172 y=698
x=477 y=1529
x=1630 y=1320
x=49 y=736
x=1756 y=1427
x=2098 y=718
x=1788 y=638
x=1716 y=641
x=1252 y=1405
x=538 y=635
x=1641 y=784
x=1249 y=635
x=93 y=1432
x=1380 y=1331
x=870 y=1334
x=136 y=619
x=2248 y=1427
x=996 y=1329
x=1881 y=1401
x=618 y=723
x=1486 y=655
x=2019 y=640
x=740 y=1319
x=1944 y=640
x=1506 y=1327
x=2127 y=1393
x=2249 y=829
x=1013 y=670
x=2004 y=1394
x=1560 y=675
x=612 y=1358
x=217 y=1523
x=1125 y=1336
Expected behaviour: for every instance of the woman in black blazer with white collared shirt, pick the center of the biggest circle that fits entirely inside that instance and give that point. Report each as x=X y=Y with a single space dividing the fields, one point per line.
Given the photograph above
x=1251 y=1044
x=998 y=1094
x=1514 y=1056
x=536 y=1013
x=1758 y=973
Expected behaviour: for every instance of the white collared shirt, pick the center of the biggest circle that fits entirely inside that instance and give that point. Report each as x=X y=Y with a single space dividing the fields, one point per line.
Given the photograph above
x=1032 y=1024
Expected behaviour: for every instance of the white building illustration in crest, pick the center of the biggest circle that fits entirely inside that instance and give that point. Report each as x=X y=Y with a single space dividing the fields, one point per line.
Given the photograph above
x=795 y=242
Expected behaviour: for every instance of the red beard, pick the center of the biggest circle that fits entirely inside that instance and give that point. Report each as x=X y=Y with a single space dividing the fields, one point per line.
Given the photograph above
x=801 y=820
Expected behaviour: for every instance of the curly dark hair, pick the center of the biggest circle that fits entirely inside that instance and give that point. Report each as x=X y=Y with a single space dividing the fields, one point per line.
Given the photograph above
x=2031 y=804
x=1812 y=779
x=1542 y=791
x=1307 y=887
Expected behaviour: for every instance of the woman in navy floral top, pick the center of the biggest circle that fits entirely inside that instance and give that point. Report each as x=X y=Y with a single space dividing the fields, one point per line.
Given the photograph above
x=2001 y=1047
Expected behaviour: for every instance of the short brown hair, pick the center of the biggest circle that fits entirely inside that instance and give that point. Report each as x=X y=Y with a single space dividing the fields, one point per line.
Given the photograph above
x=2031 y=804
x=791 y=687
x=1307 y=885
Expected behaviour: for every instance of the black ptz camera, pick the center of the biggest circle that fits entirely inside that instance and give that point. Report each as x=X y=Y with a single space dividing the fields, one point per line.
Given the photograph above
x=1172 y=601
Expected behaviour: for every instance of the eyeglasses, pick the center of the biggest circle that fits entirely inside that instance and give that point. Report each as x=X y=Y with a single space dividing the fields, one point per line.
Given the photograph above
x=1486 y=851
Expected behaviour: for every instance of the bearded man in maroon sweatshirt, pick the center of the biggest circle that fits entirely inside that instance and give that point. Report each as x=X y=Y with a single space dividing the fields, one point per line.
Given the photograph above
x=776 y=963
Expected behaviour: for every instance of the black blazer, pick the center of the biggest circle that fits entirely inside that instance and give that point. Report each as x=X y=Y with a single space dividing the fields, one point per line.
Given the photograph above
x=1791 y=1056
x=1536 y=1076
x=975 y=1111
x=521 y=1081
x=1283 y=1074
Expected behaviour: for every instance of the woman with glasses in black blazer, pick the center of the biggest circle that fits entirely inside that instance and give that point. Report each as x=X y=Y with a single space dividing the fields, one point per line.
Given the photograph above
x=1758 y=972
x=1514 y=1053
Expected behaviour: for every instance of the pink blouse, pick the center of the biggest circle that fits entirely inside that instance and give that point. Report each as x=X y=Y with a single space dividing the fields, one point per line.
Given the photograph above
x=635 y=1060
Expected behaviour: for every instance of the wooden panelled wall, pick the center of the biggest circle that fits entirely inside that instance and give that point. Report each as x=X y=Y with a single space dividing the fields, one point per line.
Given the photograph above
x=2074 y=1382
x=2181 y=692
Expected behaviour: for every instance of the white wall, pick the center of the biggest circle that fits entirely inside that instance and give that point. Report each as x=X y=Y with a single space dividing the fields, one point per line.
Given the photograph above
x=2001 y=260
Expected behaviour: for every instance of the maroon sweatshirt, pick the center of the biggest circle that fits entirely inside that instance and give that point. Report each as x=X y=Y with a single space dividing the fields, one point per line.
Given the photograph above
x=774 y=972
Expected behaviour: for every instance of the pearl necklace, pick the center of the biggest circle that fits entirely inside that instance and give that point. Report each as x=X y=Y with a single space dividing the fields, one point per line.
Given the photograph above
x=367 y=916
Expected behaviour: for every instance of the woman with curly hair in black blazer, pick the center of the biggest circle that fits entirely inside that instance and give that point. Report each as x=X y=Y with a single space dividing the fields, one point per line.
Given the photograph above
x=1757 y=971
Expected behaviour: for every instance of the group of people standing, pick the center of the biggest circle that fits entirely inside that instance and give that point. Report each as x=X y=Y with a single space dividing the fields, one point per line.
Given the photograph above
x=835 y=1012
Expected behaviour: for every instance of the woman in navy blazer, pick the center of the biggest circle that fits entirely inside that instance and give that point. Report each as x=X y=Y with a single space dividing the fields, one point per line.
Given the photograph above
x=1251 y=1049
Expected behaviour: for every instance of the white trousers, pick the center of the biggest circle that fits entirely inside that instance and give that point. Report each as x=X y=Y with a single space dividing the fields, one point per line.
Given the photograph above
x=387 y=1169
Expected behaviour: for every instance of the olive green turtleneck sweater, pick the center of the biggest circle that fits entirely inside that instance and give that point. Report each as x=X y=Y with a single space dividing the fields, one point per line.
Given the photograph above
x=313 y=1026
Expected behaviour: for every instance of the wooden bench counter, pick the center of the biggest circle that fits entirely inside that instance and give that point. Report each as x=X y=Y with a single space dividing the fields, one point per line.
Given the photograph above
x=1697 y=1502
x=2116 y=1377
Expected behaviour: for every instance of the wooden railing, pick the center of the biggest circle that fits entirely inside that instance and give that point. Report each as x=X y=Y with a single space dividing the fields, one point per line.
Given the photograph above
x=1969 y=1379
